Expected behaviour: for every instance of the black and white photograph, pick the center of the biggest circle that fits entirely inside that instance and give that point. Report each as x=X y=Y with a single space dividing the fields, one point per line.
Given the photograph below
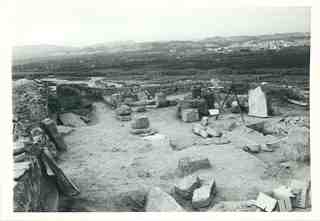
x=169 y=108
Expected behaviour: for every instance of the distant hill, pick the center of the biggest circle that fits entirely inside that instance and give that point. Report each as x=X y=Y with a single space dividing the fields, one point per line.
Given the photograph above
x=39 y=53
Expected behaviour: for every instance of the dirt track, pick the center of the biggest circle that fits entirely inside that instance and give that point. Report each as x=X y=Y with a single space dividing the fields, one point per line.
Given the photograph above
x=104 y=160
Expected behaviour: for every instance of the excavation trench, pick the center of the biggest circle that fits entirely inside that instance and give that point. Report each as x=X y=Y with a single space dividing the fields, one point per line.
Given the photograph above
x=115 y=169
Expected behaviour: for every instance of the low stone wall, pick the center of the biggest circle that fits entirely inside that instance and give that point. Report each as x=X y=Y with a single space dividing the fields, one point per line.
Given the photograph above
x=29 y=109
x=29 y=106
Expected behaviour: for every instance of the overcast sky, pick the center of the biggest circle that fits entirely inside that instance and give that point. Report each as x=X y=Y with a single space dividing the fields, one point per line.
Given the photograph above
x=89 y=22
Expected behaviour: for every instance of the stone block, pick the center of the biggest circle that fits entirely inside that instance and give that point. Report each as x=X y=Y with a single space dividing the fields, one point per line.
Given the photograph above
x=187 y=185
x=190 y=115
x=160 y=201
x=141 y=122
x=189 y=165
x=203 y=196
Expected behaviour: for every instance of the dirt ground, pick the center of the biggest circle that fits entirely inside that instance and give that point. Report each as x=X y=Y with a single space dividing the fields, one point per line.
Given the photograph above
x=105 y=160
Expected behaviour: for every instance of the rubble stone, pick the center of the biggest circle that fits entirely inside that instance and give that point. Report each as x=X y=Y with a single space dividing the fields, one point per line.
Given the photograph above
x=204 y=121
x=199 y=130
x=72 y=120
x=234 y=206
x=187 y=185
x=123 y=110
x=301 y=191
x=265 y=202
x=180 y=144
x=252 y=148
x=140 y=109
x=213 y=132
x=189 y=165
x=124 y=117
x=203 y=196
x=160 y=201
x=134 y=200
x=284 y=196
x=64 y=130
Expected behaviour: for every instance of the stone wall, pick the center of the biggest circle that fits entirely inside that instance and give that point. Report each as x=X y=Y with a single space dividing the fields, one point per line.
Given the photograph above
x=29 y=103
x=29 y=109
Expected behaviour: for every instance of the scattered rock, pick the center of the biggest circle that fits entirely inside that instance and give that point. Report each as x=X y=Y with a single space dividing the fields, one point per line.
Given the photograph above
x=213 y=132
x=72 y=120
x=234 y=206
x=203 y=196
x=252 y=148
x=204 y=121
x=187 y=185
x=190 y=115
x=64 y=130
x=226 y=125
x=221 y=140
x=144 y=174
x=189 y=165
x=300 y=189
x=160 y=201
x=266 y=202
x=123 y=110
x=284 y=196
x=85 y=119
x=199 y=130
x=134 y=200
x=266 y=148
x=20 y=158
x=297 y=145
x=124 y=117
x=144 y=132
x=141 y=122
x=180 y=144
x=20 y=169
x=140 y=109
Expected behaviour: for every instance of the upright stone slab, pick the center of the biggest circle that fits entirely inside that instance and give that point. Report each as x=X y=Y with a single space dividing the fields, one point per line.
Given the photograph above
x=258 y=106
x=160 y=201
x=51 y=130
